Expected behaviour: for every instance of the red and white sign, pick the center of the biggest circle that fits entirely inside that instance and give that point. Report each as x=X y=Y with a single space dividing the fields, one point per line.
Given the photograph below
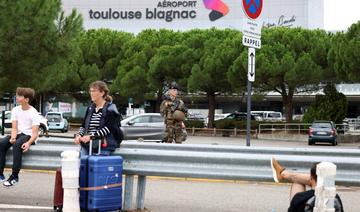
x=252 y=25
x=64 y=107
x=252 y=8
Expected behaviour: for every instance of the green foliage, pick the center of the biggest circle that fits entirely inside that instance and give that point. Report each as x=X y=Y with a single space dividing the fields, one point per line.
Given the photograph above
x=291 y=60
x=344 y=56
x=194 y=123
x=331 y=107
x=36 y=44
x=231 y=124
x=135 y=65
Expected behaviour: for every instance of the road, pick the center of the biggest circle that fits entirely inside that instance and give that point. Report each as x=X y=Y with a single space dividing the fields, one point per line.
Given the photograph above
x=35 y=189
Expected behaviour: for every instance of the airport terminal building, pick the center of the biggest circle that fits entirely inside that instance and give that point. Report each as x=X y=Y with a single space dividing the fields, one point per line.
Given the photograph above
x=136 y=15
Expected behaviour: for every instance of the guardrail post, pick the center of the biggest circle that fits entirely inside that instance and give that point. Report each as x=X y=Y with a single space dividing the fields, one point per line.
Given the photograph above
x=128 y=192
x=325 y=190
x=235 y=131
x=214 y=131
x=193 y=130
x=140 y=197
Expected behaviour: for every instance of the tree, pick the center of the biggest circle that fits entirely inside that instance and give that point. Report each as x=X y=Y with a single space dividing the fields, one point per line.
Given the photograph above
x=132 y=78
x=290 y=61
x=170 y=63
x=216 y=52
x=100 y=53
x=332 y=106
x=344 y=55
x=36 y=44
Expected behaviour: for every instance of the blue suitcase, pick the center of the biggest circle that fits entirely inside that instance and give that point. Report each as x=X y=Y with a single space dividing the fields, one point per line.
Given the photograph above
x=101 y=183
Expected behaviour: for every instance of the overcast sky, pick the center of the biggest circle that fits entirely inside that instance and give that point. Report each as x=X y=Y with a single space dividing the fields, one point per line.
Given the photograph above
x=340 y=14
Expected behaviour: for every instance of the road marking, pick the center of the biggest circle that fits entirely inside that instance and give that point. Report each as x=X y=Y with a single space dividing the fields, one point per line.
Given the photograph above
x=6 y=206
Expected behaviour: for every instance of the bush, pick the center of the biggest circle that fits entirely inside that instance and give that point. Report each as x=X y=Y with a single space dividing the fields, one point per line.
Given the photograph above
x=231 y=124
x=194 y=123
x=331 y=107
x=76 y=120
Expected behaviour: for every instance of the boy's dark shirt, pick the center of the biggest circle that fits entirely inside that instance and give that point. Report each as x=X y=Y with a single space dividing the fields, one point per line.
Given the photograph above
x=298 y=201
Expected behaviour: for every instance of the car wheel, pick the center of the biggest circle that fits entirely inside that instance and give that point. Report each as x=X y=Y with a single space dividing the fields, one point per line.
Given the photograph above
x=311 y=143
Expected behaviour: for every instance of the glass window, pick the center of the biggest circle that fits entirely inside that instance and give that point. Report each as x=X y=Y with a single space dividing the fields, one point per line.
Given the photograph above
x=157 y=119
x=53 y=117
x=141 y=119
x=322 y=125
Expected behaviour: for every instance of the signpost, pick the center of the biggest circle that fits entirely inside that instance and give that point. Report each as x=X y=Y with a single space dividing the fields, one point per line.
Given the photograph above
x=252 y=39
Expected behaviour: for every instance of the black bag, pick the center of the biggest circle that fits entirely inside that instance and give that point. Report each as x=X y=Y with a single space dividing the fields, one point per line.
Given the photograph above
x=310 y=204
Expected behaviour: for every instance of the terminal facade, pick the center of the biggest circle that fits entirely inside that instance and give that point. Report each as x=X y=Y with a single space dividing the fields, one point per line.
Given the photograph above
x=136 y=15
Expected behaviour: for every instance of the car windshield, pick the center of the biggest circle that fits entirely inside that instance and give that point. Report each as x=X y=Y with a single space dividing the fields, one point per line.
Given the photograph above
x=322 y=125
x=274 y=115
x=53 y=117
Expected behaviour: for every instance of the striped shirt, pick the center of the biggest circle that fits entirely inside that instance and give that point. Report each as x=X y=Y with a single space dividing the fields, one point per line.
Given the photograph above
x=94 y=126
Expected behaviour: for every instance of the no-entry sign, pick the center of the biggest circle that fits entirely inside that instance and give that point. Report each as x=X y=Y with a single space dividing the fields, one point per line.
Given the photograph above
x=253 y=8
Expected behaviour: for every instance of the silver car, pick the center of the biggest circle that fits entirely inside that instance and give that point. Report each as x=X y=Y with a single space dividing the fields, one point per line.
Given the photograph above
x=145 y=127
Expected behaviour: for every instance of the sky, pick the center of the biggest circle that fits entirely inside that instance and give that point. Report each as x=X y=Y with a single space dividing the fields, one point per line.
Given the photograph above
x=340 y=14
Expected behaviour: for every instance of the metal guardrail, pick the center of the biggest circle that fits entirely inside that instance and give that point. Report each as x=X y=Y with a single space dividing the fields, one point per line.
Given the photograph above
x=294 y=128
x=201 y=161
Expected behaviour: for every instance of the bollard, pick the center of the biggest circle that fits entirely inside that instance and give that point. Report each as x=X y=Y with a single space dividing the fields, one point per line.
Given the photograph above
x=70 y=164
x=325 y=190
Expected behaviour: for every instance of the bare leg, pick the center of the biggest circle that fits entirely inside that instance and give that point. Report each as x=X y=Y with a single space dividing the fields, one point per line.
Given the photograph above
x=296 y=177
x=296 y=188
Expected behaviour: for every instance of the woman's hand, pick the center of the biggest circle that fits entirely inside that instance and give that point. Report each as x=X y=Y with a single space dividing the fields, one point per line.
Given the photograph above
x=85 y=139
x=77 y=139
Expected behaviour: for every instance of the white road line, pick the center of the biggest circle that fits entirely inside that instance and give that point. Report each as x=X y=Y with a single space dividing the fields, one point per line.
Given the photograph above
x=6 y=206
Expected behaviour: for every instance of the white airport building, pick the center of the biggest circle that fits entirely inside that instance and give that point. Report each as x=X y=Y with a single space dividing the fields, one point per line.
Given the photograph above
x=137 y=15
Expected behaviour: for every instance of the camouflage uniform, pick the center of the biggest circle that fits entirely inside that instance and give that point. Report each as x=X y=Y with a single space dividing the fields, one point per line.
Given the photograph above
x=173 y=126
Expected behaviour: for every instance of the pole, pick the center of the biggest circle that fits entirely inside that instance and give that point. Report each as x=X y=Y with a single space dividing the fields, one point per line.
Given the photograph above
x=3 y=123
x=248 y=115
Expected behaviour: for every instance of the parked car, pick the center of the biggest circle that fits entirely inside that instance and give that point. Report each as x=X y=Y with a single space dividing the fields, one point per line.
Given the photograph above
x=322 y=131
x=268 y=115
x=57 y=121
x=145 y=127
x=242 y=116
x=43 y=128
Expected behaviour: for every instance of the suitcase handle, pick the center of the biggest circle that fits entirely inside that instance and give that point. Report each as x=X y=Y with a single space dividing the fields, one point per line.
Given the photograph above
x=92 y=138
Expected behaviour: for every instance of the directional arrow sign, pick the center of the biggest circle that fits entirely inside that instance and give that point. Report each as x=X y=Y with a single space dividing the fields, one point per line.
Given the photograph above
x=251 y=64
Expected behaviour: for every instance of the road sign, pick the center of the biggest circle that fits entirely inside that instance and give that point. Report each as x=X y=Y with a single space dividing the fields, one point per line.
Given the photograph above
x=252 y=8
x=251 y=26
x=251 y=42
x=251 y=64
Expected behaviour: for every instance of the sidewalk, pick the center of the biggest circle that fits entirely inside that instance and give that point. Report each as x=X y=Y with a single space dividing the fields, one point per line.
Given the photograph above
x=35 y=193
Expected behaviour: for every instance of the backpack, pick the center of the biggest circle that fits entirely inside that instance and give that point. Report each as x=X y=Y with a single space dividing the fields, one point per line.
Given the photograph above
x=310 y=204
x=118 y=134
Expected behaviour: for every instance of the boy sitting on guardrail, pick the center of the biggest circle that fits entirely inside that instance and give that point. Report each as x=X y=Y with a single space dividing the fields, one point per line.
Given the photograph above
x=24 y=132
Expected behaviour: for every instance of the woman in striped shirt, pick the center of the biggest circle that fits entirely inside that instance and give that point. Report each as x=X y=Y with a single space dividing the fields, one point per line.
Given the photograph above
x=100 y=122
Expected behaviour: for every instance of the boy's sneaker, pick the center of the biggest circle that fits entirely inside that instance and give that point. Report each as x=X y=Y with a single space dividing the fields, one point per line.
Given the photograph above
x=2 y=178
x=11 y=181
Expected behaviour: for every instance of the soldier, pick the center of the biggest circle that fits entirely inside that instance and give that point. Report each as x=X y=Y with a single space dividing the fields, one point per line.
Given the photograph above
x=174 y=112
